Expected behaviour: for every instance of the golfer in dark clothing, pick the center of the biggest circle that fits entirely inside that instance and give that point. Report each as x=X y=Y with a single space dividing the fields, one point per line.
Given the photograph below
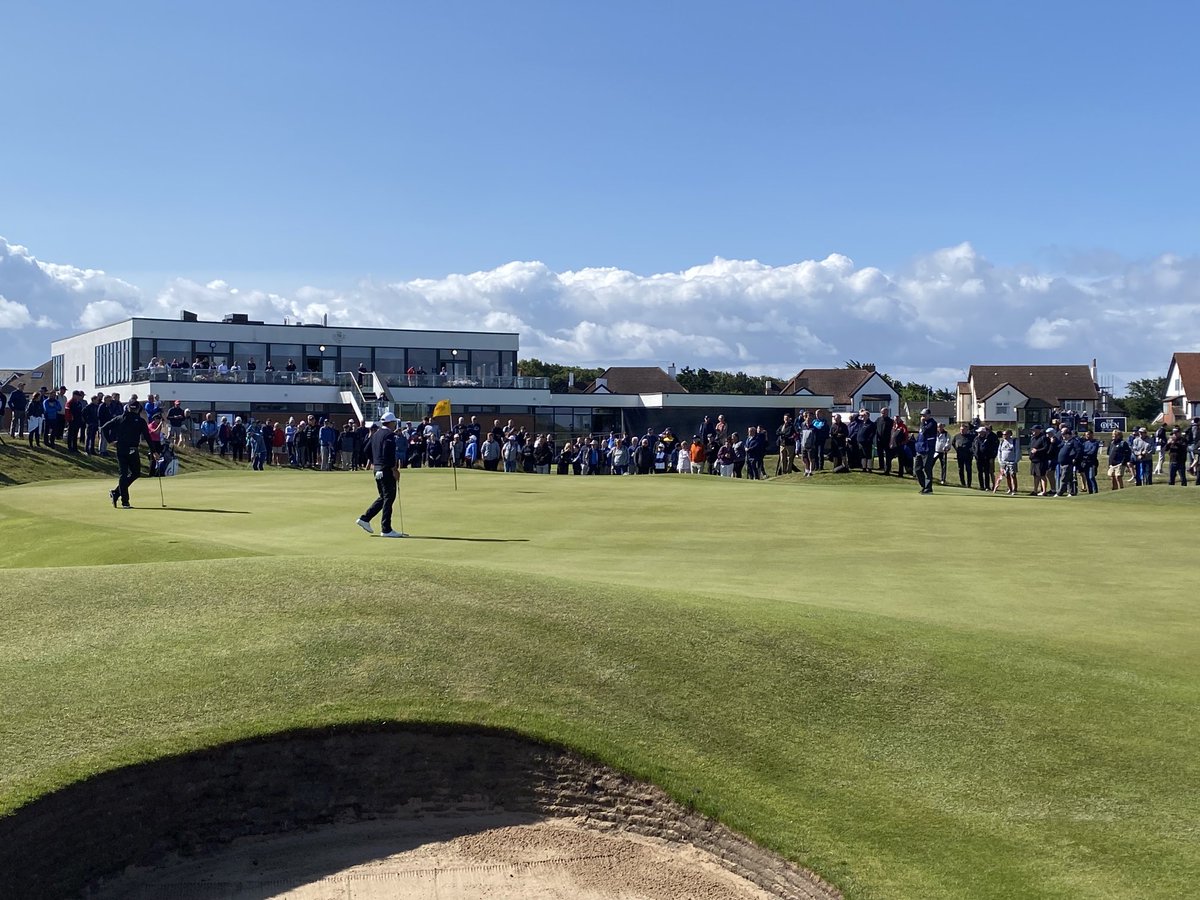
x=926 y=450
x=382 y=452
x=127 y=432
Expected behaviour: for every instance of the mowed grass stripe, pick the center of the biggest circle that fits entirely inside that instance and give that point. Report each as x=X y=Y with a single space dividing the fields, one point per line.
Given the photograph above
x=1005 y=743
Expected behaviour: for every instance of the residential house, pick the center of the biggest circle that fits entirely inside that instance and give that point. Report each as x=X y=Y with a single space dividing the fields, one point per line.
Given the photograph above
x=941 y=410
x=1027 y=395
x=1181 y=402
x=851 y=389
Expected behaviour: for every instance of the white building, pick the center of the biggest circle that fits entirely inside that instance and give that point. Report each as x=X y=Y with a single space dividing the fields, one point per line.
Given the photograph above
x=298 y=369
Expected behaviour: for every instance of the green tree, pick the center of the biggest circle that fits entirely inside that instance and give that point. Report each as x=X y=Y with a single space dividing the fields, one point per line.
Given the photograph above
x=1143 y=398
x=559 y=375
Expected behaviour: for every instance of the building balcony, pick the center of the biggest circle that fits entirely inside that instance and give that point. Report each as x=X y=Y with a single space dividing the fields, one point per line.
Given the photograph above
x=162 y=374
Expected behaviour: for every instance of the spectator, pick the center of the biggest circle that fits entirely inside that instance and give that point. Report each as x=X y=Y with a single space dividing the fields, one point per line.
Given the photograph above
x=1176 y=449
x=1119 y=455
x=208 y=433
x=963 y=444
x=18 y=407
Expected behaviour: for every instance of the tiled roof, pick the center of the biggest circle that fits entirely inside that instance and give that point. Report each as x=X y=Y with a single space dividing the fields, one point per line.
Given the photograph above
x=837 y=383
x=1189 y=373
x=637 y=380
x=1053 y=384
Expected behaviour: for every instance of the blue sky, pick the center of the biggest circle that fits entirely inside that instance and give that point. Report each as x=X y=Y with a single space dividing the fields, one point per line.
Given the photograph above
x=300 y=147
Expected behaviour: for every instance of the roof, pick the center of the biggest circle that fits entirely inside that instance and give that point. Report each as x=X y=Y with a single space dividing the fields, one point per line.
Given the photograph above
x=1004 y=384
x=1189 y=373
x=939 y=409
x=635 y=380
x=840 y=384
x=1052 y=384
x=10 y=378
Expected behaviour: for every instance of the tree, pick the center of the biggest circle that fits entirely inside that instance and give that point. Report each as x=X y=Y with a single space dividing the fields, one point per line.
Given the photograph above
x=560 y=376
x=1144 y=398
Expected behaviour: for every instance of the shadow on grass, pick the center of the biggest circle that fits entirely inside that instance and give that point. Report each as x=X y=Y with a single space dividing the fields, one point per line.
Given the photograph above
x=440 y=537
x=228 y=512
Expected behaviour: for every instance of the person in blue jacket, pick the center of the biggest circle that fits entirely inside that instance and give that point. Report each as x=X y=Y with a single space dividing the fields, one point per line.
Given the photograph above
x=926 y=447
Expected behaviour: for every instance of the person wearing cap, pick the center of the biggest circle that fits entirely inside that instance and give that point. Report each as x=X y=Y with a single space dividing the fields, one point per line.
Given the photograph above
x=382 y=453
x=1039 y=446
x=963 y=445
x=52 y=411
x=1069 y=455
x=926 y=447
x=1143 y=453
x=1007 y=455
x=127 y=432
x=986 y=447
x=1176 y=452
x=1119 y=455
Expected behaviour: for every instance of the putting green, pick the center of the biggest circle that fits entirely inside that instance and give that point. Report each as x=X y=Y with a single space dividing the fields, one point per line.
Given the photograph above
x=946 y=696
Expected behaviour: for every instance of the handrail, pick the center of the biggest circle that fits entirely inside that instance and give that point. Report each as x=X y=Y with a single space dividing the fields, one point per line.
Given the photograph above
x=386 y=379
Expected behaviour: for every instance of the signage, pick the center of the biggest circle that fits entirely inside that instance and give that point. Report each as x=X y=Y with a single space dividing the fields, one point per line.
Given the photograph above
x=1108 y=423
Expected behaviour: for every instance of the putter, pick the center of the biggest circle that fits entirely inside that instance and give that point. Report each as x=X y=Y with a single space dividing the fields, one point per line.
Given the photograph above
x=161 y=498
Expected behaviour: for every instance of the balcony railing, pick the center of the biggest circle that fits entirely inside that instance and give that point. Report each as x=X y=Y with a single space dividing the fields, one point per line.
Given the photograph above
x=215 y=376
x=520 y=382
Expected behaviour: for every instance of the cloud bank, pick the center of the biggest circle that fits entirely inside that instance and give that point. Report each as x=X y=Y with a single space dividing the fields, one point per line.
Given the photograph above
x=949 y=309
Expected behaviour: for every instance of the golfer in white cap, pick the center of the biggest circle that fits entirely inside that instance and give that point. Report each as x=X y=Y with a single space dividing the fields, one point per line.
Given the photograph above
x=382 y=452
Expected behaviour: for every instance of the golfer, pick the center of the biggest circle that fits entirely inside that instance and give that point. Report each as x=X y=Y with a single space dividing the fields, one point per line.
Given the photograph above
x=382 y=452
x=127 y=432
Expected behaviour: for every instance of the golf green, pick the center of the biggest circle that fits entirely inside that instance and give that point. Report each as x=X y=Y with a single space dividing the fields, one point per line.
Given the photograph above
x=956 y=695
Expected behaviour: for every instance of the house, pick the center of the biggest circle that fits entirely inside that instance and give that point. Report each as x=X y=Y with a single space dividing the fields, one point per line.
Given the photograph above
x=1181 y=402
x=634 y=399
x=1027 y=395
x=634 y=380
x=851 y=389
x=34 y=379
x=941 y=410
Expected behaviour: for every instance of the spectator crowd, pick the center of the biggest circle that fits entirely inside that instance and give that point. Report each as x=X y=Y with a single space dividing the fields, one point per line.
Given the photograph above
x=1061 y=459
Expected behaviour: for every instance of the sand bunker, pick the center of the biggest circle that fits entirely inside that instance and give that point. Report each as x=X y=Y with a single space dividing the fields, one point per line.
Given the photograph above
x=550 y=860
x=383 y=811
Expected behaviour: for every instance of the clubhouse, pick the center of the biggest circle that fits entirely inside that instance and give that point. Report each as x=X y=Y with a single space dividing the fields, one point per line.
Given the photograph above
x=238 y=366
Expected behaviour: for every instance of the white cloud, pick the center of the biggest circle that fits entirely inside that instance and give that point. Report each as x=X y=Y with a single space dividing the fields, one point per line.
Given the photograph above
x=928 y=321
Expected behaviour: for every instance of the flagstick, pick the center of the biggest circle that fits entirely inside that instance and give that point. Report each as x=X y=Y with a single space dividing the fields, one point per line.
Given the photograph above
x=454 y=465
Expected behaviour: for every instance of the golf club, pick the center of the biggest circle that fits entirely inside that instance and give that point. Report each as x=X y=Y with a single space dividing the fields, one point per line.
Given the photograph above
x=161 y=498
x=400 y=510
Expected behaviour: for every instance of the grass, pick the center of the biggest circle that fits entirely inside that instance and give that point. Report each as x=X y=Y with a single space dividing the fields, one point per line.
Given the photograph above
x=22 y=464
x=927 y=697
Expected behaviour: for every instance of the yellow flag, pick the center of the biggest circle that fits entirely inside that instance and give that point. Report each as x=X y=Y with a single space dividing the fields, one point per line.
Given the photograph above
x=442 y=408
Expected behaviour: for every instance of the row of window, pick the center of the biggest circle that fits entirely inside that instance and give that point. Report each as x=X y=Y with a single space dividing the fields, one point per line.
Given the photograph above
x=327 y=358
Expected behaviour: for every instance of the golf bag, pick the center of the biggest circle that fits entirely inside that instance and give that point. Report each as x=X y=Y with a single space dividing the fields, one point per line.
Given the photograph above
x=166 y=464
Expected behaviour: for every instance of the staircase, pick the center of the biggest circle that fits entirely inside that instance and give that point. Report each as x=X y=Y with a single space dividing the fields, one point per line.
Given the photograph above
x=368 y=405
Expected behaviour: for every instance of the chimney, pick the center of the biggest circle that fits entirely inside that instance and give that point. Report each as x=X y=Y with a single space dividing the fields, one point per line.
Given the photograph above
x=1093 y=371
x=325 y=320
x=671 y=370
x=570 y=379
x=869 y=367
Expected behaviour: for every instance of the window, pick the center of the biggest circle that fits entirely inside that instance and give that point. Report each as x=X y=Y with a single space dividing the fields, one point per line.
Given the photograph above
x=485 y=363
x=352 y=356
x=874 y=403
x=169 y=350
x=1178 y=385
x=423 y=359
x=1075 y=406
x=389 y=360
x=1003 y=408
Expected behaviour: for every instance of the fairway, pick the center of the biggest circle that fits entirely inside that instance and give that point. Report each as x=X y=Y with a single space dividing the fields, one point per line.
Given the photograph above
x=949 y=696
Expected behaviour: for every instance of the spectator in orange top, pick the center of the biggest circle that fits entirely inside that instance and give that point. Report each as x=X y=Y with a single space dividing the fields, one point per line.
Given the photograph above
x=698 y=455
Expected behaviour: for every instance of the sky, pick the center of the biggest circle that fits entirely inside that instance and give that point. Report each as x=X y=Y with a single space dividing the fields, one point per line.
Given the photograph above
x=757 y=187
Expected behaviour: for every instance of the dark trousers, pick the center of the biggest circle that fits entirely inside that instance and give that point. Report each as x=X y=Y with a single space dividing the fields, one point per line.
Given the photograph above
x=73 y=431
x=924 y=462
x=131 y=471
x=385 y=482
x=1066 y=480
x=987 y=473
x=1180 y=469
x=50 y=432
x=964 y=472
x=90 y=439
x=885 y=455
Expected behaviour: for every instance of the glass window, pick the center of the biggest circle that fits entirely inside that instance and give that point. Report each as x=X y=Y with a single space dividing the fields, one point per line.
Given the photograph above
x=423 y=359
x=243 y=353
x=143 y=352
x=169 y=350
x=352 y=356
x=389 y=360
x=1001 y=409
x=508 y=363
x=1077 y=406
x=874 y=403
x=281 y=353
x=485 y=363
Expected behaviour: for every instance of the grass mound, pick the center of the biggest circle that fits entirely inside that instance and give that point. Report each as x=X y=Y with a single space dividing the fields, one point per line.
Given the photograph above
x=914 y=696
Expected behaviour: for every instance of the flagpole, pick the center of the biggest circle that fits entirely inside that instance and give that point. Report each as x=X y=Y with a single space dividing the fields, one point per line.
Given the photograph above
x=453 y=464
